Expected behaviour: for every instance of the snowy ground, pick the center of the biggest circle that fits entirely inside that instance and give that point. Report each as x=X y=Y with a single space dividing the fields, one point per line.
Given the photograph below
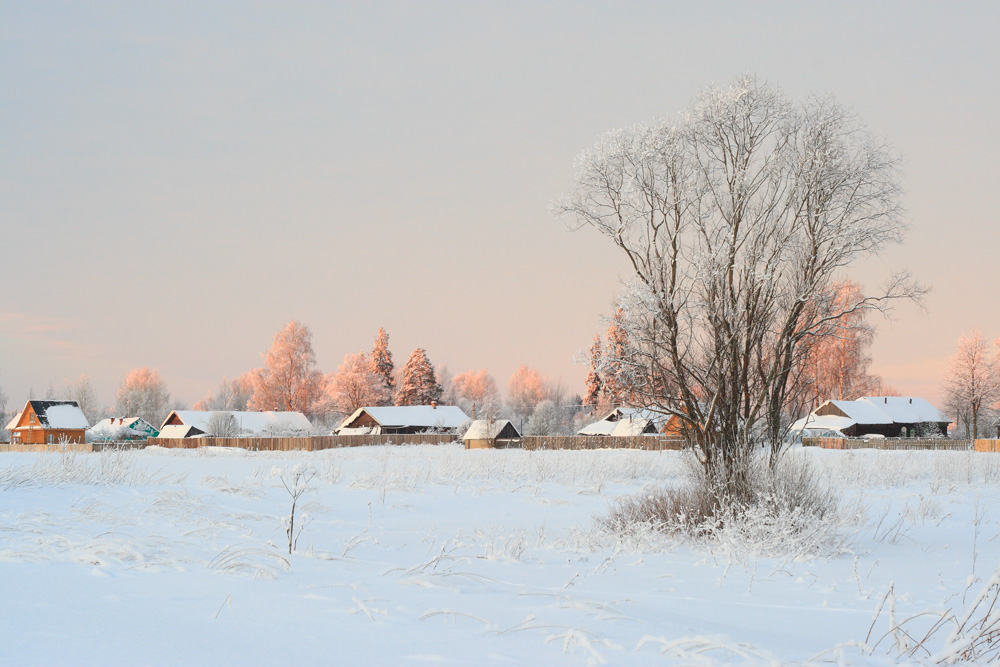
x=435 y=554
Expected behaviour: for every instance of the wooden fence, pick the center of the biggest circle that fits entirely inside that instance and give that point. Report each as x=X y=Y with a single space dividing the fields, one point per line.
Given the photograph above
x=890 y=443
x=308 y=444
x=646 y=442
x=991 y=446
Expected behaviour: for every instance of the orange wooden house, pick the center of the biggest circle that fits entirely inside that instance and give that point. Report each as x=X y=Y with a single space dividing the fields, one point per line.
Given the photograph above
x=42 y=422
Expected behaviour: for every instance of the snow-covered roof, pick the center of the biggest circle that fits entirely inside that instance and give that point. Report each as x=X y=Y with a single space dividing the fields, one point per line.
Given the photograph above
x=631 y=427
x=420 y=416
x=112 y=423
x=13 y=422
x=249 y=422
x=179 y=431
x=59 y=414
x=906 y=409
x=484 y=429
x=823 y=422
x=862 y=412
x=602 y=427
x=619 y=414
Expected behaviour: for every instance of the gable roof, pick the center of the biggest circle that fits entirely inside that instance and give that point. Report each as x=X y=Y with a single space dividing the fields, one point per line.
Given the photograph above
x=249 y=422
x=59 y=414
x=420 y=416
x=484 y=429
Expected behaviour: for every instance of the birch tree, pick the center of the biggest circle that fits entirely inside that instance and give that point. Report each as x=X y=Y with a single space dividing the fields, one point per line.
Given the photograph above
x=356 y=385
x=289 y=381
x=736 y=219
x=142 y=393
x=972 y=382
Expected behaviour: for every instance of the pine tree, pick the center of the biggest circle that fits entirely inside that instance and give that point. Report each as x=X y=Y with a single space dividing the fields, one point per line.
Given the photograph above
x=594 y=381
x=382 y=366
x=418 y=384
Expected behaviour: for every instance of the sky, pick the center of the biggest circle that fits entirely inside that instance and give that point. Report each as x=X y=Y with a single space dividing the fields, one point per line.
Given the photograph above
x=179 y=180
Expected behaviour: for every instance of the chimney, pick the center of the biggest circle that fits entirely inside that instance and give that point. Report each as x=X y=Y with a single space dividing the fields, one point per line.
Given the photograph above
x=911 y=401
x=886 y=399
x=434 y=405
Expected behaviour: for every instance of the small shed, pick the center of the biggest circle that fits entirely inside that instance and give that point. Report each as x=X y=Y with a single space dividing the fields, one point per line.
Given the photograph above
x=491 y=433
x=42 y=422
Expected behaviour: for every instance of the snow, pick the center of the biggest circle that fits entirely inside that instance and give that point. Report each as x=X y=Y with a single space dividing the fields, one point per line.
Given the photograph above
x=66 y=415
x=13 y=422
x=437 y=554
x=250 y=422
x=421 y=416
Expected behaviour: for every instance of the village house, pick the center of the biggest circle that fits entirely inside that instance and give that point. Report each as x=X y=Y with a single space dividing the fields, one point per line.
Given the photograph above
x=404 y=420
x=42 y=422
x=491 y=433
x=880 y=416
x=623 y=422
x=253 y=424
x=117 y=429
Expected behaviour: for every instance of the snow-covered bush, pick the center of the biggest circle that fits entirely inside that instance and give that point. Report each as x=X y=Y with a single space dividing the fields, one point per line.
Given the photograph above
x=786 y=509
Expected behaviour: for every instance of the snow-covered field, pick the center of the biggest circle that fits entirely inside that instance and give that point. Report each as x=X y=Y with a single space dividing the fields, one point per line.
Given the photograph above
x=436 y=554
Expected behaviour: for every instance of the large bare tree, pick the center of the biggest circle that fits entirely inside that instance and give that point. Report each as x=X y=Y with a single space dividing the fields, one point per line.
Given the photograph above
x=737 y=218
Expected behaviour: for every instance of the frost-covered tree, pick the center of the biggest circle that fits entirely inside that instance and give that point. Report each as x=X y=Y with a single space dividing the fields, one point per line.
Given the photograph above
x=972 y=383
x=594 y=383
x=82 y=391
x=617 y=368
x=834 y=364
x=232 y=395
x=736 y=218
x=383 y=367
x=289 y=381
x=142 y=393
x=356 y=385
x=418 y=384
x=222 y=424
x=545 y=420
x=476 y=393
x=525 y=390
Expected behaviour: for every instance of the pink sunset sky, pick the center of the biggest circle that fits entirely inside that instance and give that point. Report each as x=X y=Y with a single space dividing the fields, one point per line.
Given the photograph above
x=179 y=180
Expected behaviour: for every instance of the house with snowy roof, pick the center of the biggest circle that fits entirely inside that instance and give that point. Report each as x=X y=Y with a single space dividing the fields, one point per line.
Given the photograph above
x=117 y=429
x=886 y=416
x=404 y=420
x=491 y=433
x=622 y=422
x=253 y=424
x=42 y=422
